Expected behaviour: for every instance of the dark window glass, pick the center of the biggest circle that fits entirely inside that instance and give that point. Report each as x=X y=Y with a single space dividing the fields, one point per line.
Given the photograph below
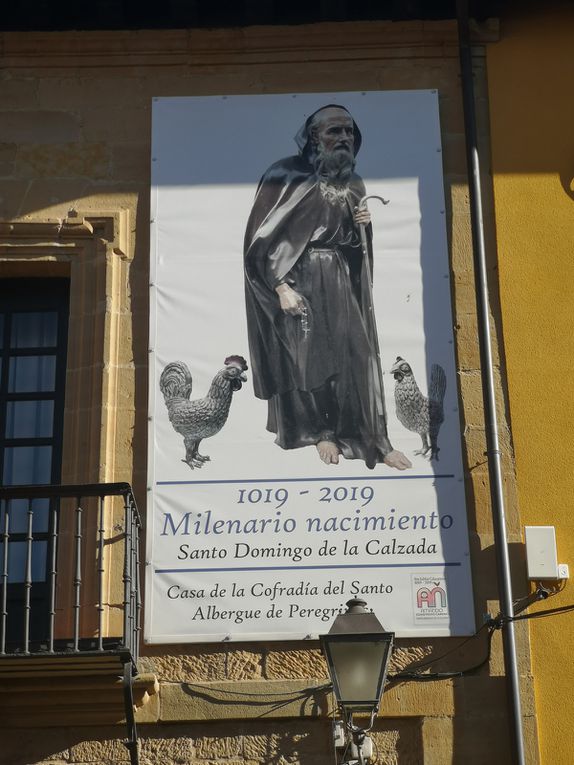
x=27 y=465
x=29 y=419
x=17 y=561
x=31 y=374
x=33 y=339
x=34 y=330
x=18 y=515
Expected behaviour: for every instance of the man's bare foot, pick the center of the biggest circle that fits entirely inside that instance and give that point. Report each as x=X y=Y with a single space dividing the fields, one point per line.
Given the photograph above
x=396 y=459
x=329 y=452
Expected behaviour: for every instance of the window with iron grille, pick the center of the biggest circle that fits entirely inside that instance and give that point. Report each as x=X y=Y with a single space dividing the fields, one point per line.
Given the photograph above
x=33 y=340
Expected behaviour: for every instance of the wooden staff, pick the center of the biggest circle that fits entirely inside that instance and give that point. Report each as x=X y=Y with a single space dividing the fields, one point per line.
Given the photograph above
x=371 y=307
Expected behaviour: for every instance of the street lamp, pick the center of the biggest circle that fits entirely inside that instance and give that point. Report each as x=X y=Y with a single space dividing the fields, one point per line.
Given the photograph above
x=357 y=649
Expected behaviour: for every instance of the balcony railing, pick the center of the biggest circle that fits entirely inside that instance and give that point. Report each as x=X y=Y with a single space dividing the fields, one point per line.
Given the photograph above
x=69 y=571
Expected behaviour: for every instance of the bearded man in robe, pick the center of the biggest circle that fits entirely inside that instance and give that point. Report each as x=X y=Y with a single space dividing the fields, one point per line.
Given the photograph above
x=312 y=336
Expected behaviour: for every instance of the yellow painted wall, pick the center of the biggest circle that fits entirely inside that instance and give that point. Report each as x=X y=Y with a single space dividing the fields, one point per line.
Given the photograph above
x=531 y=87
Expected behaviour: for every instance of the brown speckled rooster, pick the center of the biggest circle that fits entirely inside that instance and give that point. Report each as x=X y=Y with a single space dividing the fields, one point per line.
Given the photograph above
x=416 y=412
x=204 y=417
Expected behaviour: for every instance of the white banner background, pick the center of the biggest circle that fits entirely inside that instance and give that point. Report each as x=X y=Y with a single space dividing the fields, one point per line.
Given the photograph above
x=214 y=584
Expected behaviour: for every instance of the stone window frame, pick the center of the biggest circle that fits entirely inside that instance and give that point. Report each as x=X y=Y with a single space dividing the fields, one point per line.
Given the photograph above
x=91 y=251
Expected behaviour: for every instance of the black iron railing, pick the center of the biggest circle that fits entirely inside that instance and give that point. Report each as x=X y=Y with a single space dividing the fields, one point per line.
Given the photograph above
x=69 y=564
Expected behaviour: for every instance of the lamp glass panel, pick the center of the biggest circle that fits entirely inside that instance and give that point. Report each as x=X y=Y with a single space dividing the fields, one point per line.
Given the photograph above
x=358 y=667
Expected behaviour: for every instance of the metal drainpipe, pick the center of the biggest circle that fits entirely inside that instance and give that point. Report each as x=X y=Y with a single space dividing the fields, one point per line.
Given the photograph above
x=488 y=388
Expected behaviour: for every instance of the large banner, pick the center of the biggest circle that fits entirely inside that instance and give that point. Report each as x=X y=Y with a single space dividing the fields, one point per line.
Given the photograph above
x=304 y=444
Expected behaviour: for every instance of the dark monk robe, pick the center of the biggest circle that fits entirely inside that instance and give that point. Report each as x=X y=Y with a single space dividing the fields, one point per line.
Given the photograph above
x=318 y=371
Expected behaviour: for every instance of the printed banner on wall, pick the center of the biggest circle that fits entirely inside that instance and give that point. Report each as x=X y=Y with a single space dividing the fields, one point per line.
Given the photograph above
x=304 y=444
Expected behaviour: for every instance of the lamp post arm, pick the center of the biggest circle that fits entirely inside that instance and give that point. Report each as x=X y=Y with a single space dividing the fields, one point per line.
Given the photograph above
x=358 y=739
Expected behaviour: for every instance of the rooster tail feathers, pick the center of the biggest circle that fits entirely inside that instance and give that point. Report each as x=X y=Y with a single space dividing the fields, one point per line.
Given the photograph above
x=175 y=381
x=437 y=386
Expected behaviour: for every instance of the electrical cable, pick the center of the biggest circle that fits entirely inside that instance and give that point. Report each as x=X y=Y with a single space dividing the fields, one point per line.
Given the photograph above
x=536 y=615
x=430 y=676
x=541 y=593
x=295 y=695
x=434 y=659
x=425 y=677
x=492 y=625
x=333 y=721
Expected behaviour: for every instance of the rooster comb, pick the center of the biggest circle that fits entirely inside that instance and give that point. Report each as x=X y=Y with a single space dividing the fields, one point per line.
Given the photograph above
x=237 y=360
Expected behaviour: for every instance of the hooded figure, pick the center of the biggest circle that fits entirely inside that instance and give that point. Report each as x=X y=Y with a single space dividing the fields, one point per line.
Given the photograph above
x=311 y=335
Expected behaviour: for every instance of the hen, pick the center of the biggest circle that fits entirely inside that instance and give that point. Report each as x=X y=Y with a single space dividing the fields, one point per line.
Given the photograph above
x=204 y=417
x=416 y=412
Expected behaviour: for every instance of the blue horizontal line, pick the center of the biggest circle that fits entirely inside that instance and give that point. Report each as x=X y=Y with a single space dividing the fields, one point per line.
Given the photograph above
x=303 y=480
x=303 y=568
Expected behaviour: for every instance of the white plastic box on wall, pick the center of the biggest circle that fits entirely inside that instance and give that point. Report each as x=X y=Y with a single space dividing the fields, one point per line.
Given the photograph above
x=541 y=555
